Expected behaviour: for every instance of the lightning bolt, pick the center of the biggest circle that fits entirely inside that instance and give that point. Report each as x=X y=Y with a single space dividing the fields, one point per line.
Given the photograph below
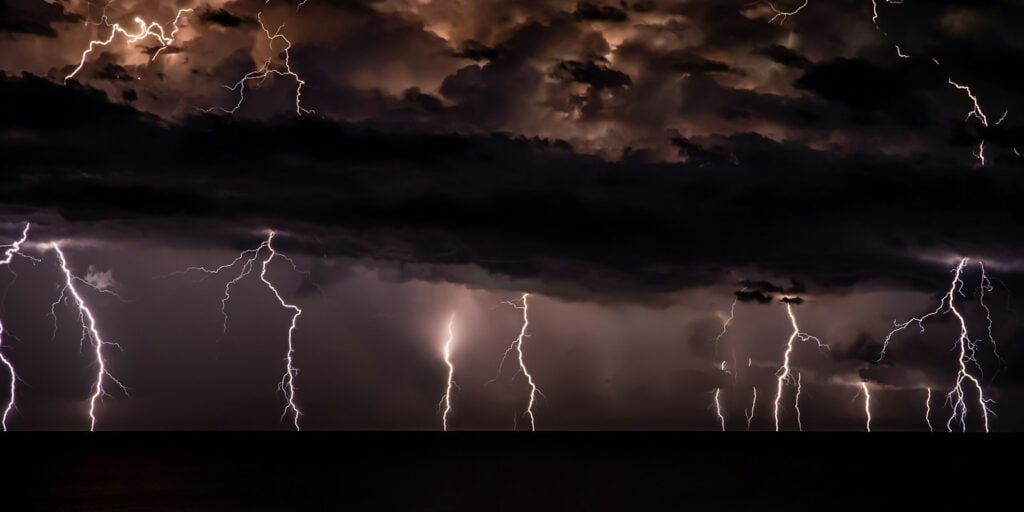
x=796 y=402
x=517 y=346
x=966 y=354
x=11 y=250
x=90 y=331
x=977 y=113
x=867 y=405
x=249 y=258
x=266 y=70
x=928 y=408
x=782 y=15
x=446 y=399
x=753 y=404
x=785 y=373
x=718 y=408
x=145 y=30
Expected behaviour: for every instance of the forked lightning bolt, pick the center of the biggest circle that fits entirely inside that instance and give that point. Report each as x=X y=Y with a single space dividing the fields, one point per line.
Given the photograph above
x=248 y=258
x=965 y=348
x=446 y=399
x=266 y=70
x=785 y=373
x=517 y=347
x=145 y=30
x=90 y=331
x=9 y=252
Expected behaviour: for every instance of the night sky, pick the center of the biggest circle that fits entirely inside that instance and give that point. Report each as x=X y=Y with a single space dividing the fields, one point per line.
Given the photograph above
x=640 y=168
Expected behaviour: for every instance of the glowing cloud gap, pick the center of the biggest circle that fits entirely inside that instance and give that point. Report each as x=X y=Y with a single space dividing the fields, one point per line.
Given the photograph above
x=517 y=346
x=446 y=399
x=785 y=373
x=718 y=408
x=264 y=72
x=9 y=253
x=89 y=330
x=150 y=29
x=867 y=405
x=966 y=354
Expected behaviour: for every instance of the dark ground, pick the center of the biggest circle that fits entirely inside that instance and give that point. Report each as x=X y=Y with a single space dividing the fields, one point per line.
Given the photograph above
x=485 y=471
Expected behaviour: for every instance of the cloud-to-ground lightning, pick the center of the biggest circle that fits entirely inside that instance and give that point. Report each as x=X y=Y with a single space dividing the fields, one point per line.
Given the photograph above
x=749 y=413
x=266 y=70
x=145 y=30
x=718 y=408
x=10 y=251
x=90 y=331
x=445 y=405
x=248 y=258
x=965 y=348
x=867 y=405
x=517 y=346
x=785 y=372
x=928 y=409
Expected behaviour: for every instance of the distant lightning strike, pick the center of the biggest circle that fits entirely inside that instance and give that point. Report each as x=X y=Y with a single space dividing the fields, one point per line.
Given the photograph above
x=725 y=323
x=9 y=252
x=928 y=409
x=248 y=258
x=785 y=372
x=750 y=413
x=965 y=348
x=517 y=346
x=718 y=408
x=867 y=405
x=446 y=399
x=89 y=330
x=145 y=30
x=266 y=70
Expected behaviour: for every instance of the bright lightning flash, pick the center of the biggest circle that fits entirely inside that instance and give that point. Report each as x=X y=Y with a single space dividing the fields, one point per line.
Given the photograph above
x=867 y=405
x=446 y=399
x=966 y=349
x=785 y=372
x=90 y=331
x=517 y=346
x=718 y=408
x=248 y=258
x=145 y=30
x=10 y=251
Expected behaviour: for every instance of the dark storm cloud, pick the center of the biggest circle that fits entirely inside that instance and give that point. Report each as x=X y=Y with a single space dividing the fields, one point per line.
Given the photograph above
x=591 y=73
x=865 y=87
x=33 y=17
x=752 y=296
x=785 y=56
x=223 y=18
x=475 y=50
x=594 y=11
x=524 y=208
